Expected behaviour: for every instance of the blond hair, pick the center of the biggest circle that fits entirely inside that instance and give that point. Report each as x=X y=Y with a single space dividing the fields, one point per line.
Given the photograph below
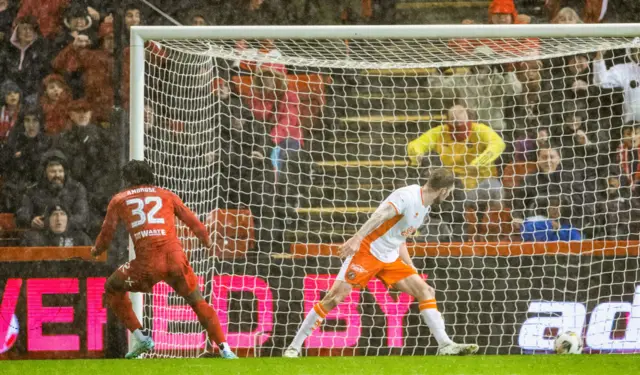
x=567 y=13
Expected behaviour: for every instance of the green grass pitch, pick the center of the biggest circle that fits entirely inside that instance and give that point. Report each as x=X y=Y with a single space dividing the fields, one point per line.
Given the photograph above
x=479 y=365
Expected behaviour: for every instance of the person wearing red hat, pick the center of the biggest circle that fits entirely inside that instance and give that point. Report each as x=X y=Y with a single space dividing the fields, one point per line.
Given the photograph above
x=503 y=12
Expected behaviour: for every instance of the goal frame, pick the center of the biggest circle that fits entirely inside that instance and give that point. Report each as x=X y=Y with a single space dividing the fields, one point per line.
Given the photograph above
x=141 y=34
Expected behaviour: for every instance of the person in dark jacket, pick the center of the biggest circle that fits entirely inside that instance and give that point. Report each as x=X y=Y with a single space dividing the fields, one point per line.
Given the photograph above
x=617 y=212
x=26 y=58
x=54 y=186
x=57 y=232
x=8 y=10
x=10 y=105
x=551 y=180
x=76 y=22
x=85 y=147
x=21 y=157
x=91 y=161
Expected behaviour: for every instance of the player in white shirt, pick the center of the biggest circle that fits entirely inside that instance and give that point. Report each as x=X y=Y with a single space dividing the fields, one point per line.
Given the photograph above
x=379 y=249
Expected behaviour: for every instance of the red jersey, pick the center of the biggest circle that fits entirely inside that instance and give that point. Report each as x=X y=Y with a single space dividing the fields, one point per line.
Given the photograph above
x=149 y=213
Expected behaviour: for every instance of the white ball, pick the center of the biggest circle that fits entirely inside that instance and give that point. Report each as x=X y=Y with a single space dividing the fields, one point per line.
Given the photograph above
x=568 y=343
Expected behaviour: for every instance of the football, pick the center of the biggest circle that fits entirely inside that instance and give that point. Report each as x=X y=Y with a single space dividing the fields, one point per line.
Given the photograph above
x=568 y=343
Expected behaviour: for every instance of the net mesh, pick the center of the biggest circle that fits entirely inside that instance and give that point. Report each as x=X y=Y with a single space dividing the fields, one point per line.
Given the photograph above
x=285 y=147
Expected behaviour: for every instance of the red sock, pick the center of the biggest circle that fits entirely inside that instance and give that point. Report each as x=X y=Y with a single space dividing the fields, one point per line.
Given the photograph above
x=209 y=320
x=121 y=306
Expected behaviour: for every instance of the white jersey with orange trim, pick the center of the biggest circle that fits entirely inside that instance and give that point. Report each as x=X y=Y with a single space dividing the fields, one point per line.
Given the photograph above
x=384 y=242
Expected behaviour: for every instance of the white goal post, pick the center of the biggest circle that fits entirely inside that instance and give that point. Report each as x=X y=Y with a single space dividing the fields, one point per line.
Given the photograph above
x=368 y=67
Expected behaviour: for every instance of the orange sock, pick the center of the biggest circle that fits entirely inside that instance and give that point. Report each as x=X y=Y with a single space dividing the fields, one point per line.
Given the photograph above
x=428 y=304
x=320 y=310
x=209 y=320
x=121 y=306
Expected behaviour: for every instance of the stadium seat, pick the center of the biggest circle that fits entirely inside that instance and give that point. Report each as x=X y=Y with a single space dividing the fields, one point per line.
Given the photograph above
x=513 y=174
x=233 y=232
x=7 y=222
x=310 y=89
x=9 y=232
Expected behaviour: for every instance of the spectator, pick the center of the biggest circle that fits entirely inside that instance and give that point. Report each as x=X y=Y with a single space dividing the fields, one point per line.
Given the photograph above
x=197 y=18
x=503 y=12
x=551 y=180
x=533 y=105
x=527 y=146
x=628 y=157
x=10 y=95
x=584 y=143
x=625 y=76
x=21 y=158
x=85 y=146
x=485 y=90
x=54 y=186
x=243 y=165
x=77 y=22
x=566 y=16
x=26 y=58
x=622 y=11
x=132 y=17
x=46 y=14
x=55 y=103
x=96 y=67
x=469 y=149
x=617 y=214
x=548 y=224
x=275 y=105
x=8 y=12
x=57 y=232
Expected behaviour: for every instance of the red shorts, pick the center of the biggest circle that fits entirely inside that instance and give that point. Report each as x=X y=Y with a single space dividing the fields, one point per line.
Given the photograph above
x=362 y=266
x=140 y=275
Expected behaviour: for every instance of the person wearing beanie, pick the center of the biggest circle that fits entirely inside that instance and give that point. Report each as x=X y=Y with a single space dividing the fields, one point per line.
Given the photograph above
x=57 y=232
x=55 y=102
x=21 y=157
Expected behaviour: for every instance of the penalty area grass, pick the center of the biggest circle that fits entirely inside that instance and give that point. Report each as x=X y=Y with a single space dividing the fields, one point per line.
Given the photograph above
x=475 y=365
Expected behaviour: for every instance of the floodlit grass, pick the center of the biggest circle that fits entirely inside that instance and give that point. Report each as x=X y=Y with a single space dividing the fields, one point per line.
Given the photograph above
x=479 y=365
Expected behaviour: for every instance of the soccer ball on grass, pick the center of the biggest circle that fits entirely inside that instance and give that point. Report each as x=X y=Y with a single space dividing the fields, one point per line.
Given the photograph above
x=568 y=343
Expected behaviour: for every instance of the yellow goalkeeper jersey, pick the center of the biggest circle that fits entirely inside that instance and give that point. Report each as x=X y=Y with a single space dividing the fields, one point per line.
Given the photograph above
x=480 y=149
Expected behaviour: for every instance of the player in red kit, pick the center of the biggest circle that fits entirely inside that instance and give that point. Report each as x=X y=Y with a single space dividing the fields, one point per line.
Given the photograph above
x=149 y=213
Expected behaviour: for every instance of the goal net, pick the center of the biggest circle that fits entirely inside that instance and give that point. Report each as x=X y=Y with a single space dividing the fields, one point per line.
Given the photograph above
x=285 y=146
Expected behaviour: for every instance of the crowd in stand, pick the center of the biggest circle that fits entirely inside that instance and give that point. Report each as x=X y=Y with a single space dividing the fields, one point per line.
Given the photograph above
x=568 y=166
x=568 y=123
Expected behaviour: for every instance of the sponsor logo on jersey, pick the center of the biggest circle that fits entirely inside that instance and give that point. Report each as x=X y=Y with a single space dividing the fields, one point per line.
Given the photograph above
x=357 y=268
x=150 y=233
x=351 y=275
x=408 y=232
